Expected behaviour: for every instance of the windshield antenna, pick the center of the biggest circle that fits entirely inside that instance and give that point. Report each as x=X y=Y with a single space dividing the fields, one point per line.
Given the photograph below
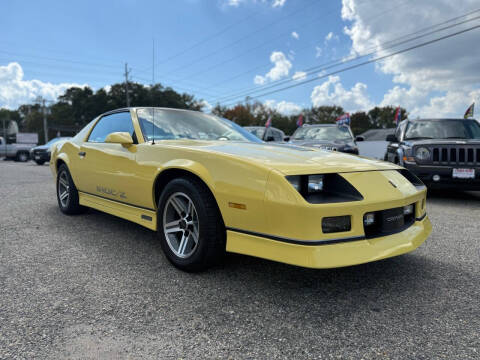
x=153 y=127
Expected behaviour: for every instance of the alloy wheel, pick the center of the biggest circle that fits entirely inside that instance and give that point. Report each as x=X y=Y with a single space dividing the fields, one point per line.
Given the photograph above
x=181 y=225
x=63 y=188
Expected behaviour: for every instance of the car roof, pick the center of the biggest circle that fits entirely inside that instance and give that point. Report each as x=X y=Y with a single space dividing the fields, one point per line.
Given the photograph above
x=439 y=119
x=124 y=109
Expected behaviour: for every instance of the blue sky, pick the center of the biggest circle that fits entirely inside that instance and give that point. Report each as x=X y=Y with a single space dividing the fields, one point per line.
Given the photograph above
x=213 y=48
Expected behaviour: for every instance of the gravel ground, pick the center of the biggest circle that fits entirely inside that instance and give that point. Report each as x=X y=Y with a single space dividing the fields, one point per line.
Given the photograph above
x=95 y=286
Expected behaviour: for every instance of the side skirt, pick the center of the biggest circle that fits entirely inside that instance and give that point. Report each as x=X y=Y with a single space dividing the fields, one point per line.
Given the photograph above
x=144 y=217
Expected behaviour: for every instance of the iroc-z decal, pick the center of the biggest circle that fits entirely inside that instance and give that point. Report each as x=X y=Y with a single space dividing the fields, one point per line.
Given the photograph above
x=111 y=192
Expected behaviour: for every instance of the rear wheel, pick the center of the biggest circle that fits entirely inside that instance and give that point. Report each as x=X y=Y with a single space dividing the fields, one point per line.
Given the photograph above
x=67 y=194
x=190 y=227
x=21 y=156
x=40 y=162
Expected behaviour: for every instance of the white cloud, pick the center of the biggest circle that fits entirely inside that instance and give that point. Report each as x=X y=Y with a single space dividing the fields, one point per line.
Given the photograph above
x=332 y=92
x=299 y=75
x=206 y=106
x=278 y=3
x=295 y=35
x=15 y=91
x=425 y=78
x=318 y=51
x=272 y=3
x=330 y=36
x=284 y=107
x=279 y=70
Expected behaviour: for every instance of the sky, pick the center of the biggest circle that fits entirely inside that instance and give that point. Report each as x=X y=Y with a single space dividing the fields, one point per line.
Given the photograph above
x=288 y=54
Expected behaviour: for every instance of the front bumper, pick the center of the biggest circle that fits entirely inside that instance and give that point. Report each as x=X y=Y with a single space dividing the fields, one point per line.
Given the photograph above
x=426 y=173
x=40 y=156
x=331 y=255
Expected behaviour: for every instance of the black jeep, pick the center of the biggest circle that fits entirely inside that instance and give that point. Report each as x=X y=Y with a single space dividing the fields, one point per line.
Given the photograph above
x=441 y=152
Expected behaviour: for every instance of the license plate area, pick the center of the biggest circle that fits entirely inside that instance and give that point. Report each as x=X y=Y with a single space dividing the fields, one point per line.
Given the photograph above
x=463 y=173
x=391 y=220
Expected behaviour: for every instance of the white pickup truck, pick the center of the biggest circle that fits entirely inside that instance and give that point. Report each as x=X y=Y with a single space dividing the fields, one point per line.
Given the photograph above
x=17 y=151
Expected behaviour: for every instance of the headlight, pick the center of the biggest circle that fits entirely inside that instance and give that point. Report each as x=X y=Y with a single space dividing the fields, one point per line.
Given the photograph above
x=324 y=188
x=422 y=153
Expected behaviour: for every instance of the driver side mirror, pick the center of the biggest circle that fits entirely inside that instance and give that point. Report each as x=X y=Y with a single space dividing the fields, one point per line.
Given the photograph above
x=123 y=138
x=286 y=138
x=359 y=138
x=391 y=138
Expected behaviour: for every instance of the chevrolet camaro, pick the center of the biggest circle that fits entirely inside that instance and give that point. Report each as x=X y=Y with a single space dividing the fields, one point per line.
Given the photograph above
x=207 y=187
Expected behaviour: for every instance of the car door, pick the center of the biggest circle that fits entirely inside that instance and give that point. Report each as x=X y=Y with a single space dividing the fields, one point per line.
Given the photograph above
x=107 y=169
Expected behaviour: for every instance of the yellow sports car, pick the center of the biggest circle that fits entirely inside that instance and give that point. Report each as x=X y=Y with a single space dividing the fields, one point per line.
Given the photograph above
x=208 y=186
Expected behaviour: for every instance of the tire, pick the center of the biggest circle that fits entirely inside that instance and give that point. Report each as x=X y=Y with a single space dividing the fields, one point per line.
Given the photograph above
x=22 y=156
x=190 y=227
x=40 y=162
x=67 y=193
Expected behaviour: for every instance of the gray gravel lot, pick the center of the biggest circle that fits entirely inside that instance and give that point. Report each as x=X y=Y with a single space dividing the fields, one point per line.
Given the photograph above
x=95 y=286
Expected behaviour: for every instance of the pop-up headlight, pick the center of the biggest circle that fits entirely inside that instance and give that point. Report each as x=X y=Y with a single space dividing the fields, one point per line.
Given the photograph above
x=324 y=188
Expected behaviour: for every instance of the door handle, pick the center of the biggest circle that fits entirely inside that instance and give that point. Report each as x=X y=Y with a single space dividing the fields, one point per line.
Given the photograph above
x=82 y=153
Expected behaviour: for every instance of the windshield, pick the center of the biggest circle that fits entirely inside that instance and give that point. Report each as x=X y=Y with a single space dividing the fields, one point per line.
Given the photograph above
x=328 y=133
x=443 y=129
x=175 y=124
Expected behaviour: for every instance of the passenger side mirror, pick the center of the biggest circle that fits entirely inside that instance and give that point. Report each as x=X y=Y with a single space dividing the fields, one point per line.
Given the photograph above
x=286 y=138
x=123 y=138
x=359 y=138
x=391 y=138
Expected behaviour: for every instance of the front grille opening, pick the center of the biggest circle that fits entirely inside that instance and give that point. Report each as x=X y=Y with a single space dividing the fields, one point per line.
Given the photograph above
x=453 y=155
x=470 y=155
x=388 y=222
x=435 y=155
x=444 y=155
x=461 y=155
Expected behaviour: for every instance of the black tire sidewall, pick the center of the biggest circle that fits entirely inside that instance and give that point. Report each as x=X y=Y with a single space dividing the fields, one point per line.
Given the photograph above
x=73 y=206
x=206 y=228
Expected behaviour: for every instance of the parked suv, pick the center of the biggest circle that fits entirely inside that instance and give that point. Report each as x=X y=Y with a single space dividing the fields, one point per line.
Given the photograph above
x=441 y=152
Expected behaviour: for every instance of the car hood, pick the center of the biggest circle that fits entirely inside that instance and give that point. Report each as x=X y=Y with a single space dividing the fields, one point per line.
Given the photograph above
x=443 y=142
x=287 y=158
x=41 y=147
x=319 y=143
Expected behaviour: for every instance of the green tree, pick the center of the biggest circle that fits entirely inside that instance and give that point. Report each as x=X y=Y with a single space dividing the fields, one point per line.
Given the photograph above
x=384 y=117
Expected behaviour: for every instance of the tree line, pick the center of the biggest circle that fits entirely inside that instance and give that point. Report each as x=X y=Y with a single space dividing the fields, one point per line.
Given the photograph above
x=78 y=106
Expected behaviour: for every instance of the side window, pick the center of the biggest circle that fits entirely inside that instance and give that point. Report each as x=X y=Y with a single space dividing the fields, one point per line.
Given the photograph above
x=118 y=122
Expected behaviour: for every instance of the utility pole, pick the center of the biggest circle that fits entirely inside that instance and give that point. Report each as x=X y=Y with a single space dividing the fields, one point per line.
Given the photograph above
x=127 y=72
x=40 y=100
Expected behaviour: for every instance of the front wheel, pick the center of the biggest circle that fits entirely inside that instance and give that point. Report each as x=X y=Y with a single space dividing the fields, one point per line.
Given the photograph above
x=190 y=227
x=40 y=162
x=67 y=194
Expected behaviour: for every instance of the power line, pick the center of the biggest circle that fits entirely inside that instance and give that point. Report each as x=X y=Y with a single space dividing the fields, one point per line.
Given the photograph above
x=366 y=62
x=342 y=61
x=251 y=34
